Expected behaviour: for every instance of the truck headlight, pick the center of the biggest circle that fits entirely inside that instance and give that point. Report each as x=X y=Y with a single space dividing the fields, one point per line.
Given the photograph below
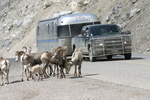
x=127 y=39
x=98 y=42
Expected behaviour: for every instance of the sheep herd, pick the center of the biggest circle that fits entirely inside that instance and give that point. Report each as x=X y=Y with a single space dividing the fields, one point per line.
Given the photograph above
x=43 y=64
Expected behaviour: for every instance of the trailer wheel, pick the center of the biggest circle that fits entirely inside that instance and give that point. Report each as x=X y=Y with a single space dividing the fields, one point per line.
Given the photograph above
x=127 y=56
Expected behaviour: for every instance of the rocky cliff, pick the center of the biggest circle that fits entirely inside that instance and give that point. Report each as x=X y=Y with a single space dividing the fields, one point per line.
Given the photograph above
x=18 y=20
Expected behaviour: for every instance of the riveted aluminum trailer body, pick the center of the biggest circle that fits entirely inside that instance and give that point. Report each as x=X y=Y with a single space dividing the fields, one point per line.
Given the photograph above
x=58 y=31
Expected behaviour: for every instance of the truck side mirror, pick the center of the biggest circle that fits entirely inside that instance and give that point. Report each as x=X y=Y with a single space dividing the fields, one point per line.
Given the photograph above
x=127 y=32
x=81 y=36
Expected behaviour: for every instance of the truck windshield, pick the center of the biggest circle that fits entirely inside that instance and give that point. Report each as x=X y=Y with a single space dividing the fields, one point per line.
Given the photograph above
x=104 y=30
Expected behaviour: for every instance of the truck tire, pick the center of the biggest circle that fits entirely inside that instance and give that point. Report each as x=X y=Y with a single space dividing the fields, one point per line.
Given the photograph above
x=109 y=57
x=91 y=58
x=127 y=56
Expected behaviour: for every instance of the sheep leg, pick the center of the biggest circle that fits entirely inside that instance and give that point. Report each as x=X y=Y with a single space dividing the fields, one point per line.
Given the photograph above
x=44 y=70
x=41 y=76
x=51 y=70
x=6 y=72
x=2 y=79
x=57 y=72
x=79 y=70
x=38 y=77
x=34 y=77
x=22 y=73
x=30 y=76
x=7 y=82
x=75 y=71
x=26 y=73
x=54 y=70
x=63 y=73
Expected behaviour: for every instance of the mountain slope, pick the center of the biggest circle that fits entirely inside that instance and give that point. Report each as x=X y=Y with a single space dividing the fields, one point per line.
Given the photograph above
x=18 y=20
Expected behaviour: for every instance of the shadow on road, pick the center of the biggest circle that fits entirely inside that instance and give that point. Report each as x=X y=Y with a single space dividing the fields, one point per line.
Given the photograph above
x=90 y=74
x=17 y=81
x=73 y=77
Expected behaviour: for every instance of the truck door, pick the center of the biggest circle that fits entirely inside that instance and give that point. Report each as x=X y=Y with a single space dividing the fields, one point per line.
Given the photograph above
x=83 y=43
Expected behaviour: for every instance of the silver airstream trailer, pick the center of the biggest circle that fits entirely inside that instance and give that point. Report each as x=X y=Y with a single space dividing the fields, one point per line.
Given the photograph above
x=58 y=31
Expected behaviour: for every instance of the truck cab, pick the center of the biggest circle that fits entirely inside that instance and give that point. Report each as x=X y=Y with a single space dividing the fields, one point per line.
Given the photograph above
x=103 y=40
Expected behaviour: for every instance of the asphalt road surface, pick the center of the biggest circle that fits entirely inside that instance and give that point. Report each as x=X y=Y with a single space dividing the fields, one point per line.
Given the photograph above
x=117 y=79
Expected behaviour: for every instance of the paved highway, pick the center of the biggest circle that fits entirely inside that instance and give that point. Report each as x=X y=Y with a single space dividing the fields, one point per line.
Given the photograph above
x=117 y=79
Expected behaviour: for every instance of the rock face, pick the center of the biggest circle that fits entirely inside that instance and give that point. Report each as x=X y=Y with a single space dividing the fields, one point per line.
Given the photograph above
x=18 y=20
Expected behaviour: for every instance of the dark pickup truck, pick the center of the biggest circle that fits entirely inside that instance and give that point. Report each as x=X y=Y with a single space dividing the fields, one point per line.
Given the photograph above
x=103 y=40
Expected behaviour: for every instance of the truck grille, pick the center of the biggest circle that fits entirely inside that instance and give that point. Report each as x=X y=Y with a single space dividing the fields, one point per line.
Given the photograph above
x=113 y=45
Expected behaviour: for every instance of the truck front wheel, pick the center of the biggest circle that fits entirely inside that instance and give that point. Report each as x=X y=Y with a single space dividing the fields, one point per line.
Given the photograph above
x=127 y=56
x=109 y=57
x=92 y=59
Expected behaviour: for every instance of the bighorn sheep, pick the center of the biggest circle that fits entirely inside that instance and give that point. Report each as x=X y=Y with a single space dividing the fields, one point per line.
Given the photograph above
x=24 y=59
x=4 y=70
x=25 y=49
x=61 y=58
x=37 y=69
x=30 y=49
x=47 y=60
x=77 y=58
x=33 y=58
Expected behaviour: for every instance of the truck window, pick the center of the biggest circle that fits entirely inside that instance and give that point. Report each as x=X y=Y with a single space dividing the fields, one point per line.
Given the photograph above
x=103 y=30
x=97 y=22
x=76 y=28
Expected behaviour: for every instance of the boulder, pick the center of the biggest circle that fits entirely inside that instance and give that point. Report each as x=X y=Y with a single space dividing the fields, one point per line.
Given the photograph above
x=132 y=12
x=73 y=5
x=46 y=4
x=133 y=1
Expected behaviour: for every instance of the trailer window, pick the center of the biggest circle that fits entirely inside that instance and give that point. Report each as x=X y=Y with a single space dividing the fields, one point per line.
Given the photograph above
x=63 y=31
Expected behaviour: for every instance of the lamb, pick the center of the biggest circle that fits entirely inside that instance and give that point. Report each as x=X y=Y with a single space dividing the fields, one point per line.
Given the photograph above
x=77 y=58
x=4 y=70
x=36 y=69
